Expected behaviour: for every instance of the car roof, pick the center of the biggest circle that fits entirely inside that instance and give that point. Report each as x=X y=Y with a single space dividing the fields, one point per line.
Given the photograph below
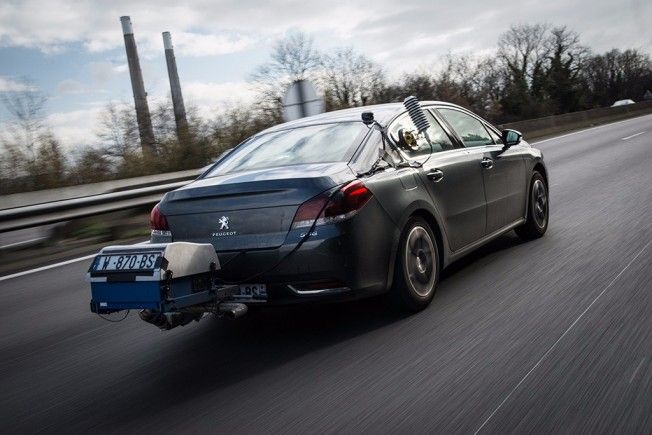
x=383 y=113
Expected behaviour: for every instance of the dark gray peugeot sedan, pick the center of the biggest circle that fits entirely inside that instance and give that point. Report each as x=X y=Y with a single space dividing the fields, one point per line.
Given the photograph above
x=358 y=202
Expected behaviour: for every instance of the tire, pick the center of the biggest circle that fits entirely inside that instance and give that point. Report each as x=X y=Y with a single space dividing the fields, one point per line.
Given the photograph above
x=538 y=211
x=414 y=291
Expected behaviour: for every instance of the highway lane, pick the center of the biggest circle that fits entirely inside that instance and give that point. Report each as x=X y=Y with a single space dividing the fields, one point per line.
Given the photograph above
x=550 y=335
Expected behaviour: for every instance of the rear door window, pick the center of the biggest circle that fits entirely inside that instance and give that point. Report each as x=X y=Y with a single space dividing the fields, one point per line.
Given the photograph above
x=468 y=128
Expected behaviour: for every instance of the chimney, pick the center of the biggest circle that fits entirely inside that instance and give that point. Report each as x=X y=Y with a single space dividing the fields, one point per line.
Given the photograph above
x=147 y=140
x=175 y=89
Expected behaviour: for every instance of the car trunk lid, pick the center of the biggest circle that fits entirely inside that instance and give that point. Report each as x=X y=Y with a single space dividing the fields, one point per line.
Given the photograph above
x=247 y=210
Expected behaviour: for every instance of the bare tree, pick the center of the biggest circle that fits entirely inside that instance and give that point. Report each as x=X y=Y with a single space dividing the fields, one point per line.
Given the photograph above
x=350 y=79
x=479 y=81
x=293 y=58
x=523 y=50
x=91 y=165
x=192 y=149
x=617 y=75
x=565 y=62
x=50 y=168
x=564 y=44
x=31 y=155
x=234 y=125
x=420 y=84
x=22 y=131
x=118 y=132
x=164 y=124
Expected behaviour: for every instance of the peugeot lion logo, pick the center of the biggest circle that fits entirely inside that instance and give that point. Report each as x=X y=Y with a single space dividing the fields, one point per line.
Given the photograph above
x=224 y=223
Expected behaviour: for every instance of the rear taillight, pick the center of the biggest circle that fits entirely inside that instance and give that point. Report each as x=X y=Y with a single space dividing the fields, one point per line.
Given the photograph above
x=343 y=204
x=157 y=220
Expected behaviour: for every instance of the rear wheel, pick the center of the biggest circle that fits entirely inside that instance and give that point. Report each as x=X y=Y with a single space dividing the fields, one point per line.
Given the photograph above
x=417 y=266
x=537 y=214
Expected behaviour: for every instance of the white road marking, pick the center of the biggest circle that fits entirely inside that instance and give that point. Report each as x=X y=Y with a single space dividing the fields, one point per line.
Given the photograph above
x=636 y=371
x=634 y=135
x=527 y=375
x=23 y=242
x=52 y=266
x=588 y=129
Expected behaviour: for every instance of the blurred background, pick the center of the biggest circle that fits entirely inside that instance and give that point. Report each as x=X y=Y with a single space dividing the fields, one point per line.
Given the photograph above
x=98 y=119
x=67 y=114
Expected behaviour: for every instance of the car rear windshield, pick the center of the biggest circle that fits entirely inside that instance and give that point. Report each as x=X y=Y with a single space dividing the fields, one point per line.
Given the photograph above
x=310 y=144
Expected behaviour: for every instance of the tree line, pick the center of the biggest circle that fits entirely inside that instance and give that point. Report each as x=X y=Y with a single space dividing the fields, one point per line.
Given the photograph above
x=536 y=70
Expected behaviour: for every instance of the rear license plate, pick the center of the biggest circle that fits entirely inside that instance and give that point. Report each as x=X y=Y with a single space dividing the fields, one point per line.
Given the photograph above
x=125 y=262
x=252 y=291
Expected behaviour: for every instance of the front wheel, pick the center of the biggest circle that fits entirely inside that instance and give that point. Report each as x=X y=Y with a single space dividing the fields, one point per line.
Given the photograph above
x=417 y=266
x=537 y=214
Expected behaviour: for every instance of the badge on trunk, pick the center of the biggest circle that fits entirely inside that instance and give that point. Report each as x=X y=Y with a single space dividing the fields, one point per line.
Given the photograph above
x=224 y=223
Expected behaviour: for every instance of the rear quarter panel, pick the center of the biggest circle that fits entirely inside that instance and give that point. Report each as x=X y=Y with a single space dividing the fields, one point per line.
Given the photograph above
x=401 y=194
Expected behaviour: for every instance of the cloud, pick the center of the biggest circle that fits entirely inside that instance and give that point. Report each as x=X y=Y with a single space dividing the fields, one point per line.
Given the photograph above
x=208 y=98
x=209 y=27
x=186 y=43
x=96 y=26
x=103 y=72
x=199 y=27
x=408 y=31
x=10 y=85
x=195 y=44
x=77 y=127
x=209 y=93
x=70 y=86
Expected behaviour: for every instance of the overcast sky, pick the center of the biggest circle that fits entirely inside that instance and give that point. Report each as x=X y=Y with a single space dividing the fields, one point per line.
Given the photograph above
x=74 y=52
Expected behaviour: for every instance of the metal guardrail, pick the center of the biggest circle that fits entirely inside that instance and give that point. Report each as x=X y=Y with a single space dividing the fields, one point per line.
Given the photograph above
x=63 y=193
x=550 y=125
x=58 y=211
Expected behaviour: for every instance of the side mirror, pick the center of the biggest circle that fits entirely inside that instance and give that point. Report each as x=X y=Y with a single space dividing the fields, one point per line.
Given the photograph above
x=511 y=137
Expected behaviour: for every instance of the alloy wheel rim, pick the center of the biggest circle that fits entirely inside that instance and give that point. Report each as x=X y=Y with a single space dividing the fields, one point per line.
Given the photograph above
x=420 y=261
x=540 y=200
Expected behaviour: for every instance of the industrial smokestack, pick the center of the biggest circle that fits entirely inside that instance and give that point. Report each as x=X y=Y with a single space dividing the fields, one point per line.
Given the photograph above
x=175 y=89
x=147 y=140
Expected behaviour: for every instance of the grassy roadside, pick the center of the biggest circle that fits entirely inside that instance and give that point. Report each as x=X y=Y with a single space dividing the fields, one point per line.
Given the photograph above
x=76 y=239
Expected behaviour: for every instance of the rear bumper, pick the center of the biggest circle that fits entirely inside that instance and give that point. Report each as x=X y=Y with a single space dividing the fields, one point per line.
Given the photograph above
x=345 y=261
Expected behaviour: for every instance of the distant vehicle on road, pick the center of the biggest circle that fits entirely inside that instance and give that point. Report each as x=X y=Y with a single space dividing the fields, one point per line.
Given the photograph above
x=357 y=202
x=623 y=103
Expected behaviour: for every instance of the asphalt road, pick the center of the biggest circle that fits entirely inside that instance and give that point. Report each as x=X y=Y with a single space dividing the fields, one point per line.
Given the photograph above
x=550 y=335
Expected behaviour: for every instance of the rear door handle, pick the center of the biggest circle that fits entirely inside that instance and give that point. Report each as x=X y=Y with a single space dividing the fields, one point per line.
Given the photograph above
x=435 y=175
x=487 y=163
